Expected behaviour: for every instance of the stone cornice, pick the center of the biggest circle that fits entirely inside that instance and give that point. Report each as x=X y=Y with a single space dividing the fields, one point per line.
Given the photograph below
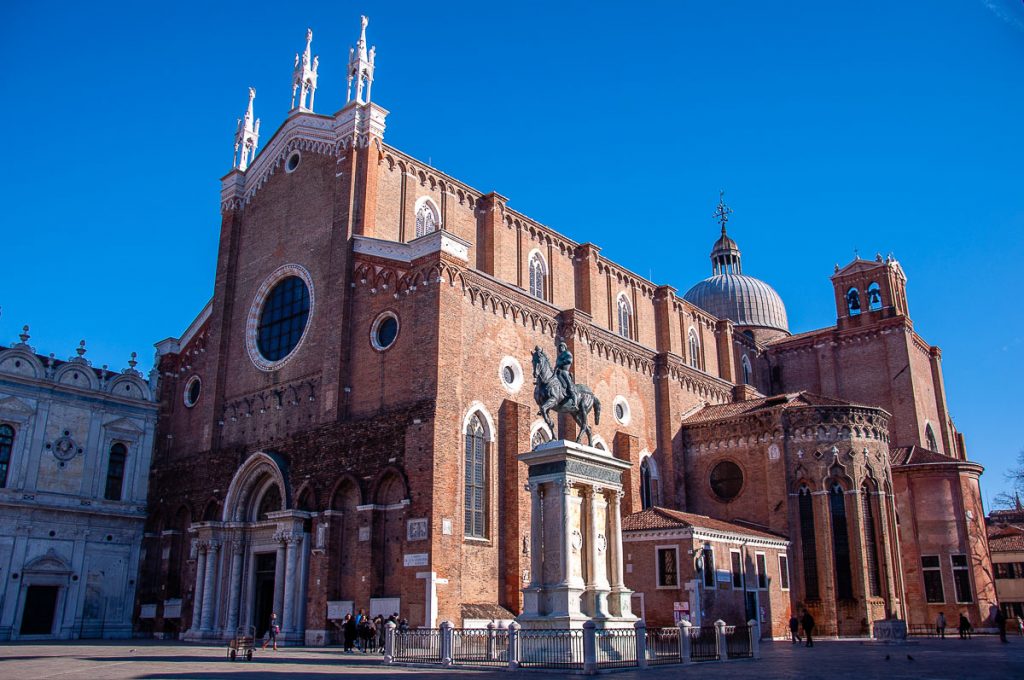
x=692 y=379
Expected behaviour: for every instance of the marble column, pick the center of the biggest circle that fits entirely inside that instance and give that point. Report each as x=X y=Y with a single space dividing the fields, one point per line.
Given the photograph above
x=208 y=586
x=290 y=576
x=197 y=595
x=597 y=580
x=536 y=535
x=279 y=577
x=235 y=593
x=566 y=557
x=616 y=542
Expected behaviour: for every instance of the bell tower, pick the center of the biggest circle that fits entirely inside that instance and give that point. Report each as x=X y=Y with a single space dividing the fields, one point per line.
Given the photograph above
x=869 y=290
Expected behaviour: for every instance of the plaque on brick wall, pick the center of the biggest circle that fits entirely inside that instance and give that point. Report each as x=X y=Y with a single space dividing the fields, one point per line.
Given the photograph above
x=415 y=560
x=773 y=452
x=147 y=611
x=172 y=608
x=364 y=533
x=416 y=530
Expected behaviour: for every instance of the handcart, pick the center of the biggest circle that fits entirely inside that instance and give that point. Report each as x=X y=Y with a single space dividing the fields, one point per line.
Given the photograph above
x=243 y=643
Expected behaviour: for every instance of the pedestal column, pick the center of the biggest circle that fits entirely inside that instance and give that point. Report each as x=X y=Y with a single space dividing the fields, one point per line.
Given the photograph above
x=616 y=542
x=208 y=585
x=566 y=556
x=197 y=596
x=279 y=563
x=235 y=593
x=289 y=583
x=536 y=534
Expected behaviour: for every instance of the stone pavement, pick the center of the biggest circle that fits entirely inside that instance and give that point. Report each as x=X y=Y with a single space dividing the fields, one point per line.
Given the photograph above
x=982 y=657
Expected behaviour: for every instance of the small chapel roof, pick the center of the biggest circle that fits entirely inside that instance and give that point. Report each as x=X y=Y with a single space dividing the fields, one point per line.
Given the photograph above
x=656 y=518
x=917 y=455
x=1006 y=538
x=740 y=408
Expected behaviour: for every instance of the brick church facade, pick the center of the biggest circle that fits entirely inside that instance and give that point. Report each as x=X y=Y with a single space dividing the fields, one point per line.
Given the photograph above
x=339 y=426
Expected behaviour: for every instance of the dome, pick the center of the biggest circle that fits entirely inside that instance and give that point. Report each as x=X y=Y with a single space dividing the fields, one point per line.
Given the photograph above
x=729 y=294
x=744 y=300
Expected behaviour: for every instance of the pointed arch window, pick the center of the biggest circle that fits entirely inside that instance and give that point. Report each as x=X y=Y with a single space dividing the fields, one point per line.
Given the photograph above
x=853 y=301
x=648 y=483
x=748 y=371
x=874 y=296
x=539 y=437
x=930 y=441
x=538 y=276
x=426 y=219
x=871 y=546
x=625 y=317
x=840 y=542
x=808 y=543
x=6 y=446
x=476 y=479
x=115 y=471
x=696 y=360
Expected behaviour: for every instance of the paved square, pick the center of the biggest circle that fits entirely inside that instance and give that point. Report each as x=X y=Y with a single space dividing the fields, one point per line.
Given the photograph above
x=979 y=658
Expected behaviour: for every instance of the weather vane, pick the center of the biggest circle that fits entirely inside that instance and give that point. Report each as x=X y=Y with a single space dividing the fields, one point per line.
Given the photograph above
x=723 y=211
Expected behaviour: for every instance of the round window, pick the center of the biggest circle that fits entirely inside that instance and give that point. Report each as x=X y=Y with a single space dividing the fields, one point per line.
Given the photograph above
x=283 y=318
x=384 y=331
x=192 y=389
x=727 y=480
x=508 y=374
x=293 y=161
x=620 y=411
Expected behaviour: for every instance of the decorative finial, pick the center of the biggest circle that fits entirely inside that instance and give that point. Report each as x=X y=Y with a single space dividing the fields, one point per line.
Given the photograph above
x=81 y=348
x=856 y=254
x=132 y=362
x=24 y=334
x=304 y=75
x=723 y=211
x=878 y=257
x=247 y=136
x=360 y=66
x=836 y=268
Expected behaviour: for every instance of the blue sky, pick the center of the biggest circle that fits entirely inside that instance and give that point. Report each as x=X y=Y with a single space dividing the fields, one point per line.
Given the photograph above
x=878 y=126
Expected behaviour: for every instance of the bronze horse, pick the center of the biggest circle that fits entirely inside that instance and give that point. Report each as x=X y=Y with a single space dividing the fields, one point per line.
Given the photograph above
x=550 y=395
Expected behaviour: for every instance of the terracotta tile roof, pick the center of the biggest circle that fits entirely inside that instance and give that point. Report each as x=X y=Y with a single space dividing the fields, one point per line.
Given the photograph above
x=916 y=455
x=662 y=518
x=1006 y=538
x=799 y=336
x=739 y=408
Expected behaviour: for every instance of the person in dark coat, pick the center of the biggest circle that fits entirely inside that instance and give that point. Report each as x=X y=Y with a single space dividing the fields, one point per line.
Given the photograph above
x=794 y=628
x=964 y=627
x=807 y=621
x=348 y=628
x=1001 y=624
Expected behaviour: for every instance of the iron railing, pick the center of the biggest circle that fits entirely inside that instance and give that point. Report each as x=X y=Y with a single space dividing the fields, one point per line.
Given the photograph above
x=480 y=646
x=703 y=643
x=663 y=645
x=615 y=647
x=737 y=642
x=551 y=649
x=420 y=645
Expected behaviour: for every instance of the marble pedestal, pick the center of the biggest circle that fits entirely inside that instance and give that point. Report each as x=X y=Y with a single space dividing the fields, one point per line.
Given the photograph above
x=576 y=571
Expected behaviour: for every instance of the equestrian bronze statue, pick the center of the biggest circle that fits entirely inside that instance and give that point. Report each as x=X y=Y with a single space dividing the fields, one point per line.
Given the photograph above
x=555 y=390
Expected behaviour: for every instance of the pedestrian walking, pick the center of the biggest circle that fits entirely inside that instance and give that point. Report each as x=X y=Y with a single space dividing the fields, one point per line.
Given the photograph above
x=964 y=627
x=348 y=629
x=272 y=632
x=808 y=623
x=794 y=628
x=940 y=625
x=1001 y=624
x=1020 y=626
x=366 y=634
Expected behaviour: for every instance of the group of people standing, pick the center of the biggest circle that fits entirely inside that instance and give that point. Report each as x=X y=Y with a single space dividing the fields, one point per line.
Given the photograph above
x=360 y=631
x=807 y=622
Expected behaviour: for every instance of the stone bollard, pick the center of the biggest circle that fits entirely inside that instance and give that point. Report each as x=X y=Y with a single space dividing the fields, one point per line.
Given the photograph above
x=684 y=640
x=755 y=638
x=389 y=642
x=589 y=647
x=640 y=629
x=447 y=638
x=513 y=645
x=723 y=643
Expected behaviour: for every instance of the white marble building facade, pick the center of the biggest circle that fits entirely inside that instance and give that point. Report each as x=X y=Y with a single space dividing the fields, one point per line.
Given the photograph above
x=75 y=449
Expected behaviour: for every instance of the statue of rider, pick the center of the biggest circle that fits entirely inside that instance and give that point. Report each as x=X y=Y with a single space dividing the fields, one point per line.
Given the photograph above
x=562 y=365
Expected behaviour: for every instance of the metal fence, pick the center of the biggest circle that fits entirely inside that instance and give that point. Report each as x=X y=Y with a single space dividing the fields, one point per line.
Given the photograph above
x=480 y=646
x=663 y=646
x=615 y=648
x=551 y=649
x=703 y=643
x=422 y=645
x=737 y=642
